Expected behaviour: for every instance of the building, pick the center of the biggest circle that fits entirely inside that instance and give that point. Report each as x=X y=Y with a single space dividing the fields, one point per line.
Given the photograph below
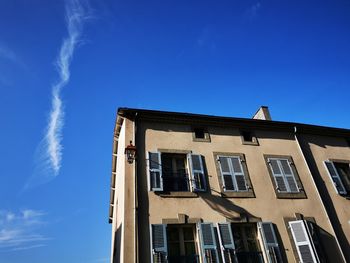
x=221 y=189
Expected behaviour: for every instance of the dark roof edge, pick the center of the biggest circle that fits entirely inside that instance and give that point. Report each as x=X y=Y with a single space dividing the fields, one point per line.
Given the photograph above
x=257 y=123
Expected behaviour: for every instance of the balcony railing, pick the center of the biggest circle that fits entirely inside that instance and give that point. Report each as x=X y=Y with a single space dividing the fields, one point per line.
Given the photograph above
x=250 y=257
x=175 y=181
x=184 y=259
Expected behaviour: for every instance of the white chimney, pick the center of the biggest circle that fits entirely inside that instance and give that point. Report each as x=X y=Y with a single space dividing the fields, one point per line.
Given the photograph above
x=263 y=113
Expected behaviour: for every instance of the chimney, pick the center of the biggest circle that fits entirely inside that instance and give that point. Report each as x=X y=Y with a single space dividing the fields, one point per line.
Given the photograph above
x=263 y=113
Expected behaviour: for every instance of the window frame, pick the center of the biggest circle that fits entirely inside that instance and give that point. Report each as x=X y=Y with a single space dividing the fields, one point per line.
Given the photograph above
x=249 y=193
x=301 y=194
x=206 y=134
x=254 y=141
x=193 y=190
x=332 y=161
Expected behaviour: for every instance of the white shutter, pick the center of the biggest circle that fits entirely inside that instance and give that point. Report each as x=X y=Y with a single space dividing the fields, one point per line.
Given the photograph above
x=333 y=174
x=283 y=175
x=155 y=171
x=226 y=242
x=289 y=175
x=197 y=172
x=226 y=174
x=237 y=169
x=159 y=243
x=208 y=243
x=302 y=242
x=278 y=175
x=272 y=250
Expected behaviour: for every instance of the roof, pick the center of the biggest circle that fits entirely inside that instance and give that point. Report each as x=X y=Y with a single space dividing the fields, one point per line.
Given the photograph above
x=184 y=117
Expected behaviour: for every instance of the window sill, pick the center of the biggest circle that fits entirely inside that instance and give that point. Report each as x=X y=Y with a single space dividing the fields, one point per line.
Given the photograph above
x=201 y=140
x=250 y=143
x=300 y=195
x=248 y=194
x=177 y=194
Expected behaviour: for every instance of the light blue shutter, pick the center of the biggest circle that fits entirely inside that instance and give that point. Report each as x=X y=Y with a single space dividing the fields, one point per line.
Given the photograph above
x=159 y=243
x=208 y=243
x=289 y=175
x=155 y=171
x=197 y=172
x=278 y=175
x=333 y=174
x=302 y=242
x=226 y=173
x=272 y=249
x=237 y=168
x=226 y=242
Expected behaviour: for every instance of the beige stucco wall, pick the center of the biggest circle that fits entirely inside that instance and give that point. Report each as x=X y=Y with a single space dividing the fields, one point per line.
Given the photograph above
x=319 y=149
x=211 y=207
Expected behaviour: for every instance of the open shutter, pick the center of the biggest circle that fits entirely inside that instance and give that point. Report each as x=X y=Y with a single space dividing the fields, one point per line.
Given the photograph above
x=302 y=242
x=197 y=172
x=278 y=175
x=239 y=174
x=226 y=174
x=289 y=175
x=208 y=243
x=226 y=242
x=159 y=243
x=155 y=171
x=272 y=249
x=333 y=174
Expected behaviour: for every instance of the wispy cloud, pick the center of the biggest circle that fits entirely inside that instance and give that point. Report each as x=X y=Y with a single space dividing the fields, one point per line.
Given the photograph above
x=50 y=149
x=252 y=11
x=19 y=231
x=9 y=55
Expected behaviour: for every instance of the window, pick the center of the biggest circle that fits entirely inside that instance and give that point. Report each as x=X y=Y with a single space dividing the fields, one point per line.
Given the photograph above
x=200 y=134
x=176 y=172
x=248 y=138
x=233 y=175
x=339 y=172
x=304 y=245
x=247 y=248
x=284 y=177
x=174 y=243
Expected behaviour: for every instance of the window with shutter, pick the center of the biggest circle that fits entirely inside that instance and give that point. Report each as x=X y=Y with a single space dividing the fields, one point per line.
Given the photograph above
x=155 y=171
x=335 y=177
x=233 y=175
x=226 y=243
x=284 y=176
x=302 y=242
x=208 y=243
x=272 y=249
x=159 y=243
x=198 y=182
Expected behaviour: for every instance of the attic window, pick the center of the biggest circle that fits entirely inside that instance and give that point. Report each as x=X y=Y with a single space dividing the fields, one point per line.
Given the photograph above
x=248 y=137
x=200 y=134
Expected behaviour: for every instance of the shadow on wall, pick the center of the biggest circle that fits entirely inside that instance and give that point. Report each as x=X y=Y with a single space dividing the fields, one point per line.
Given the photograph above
x=227 y=208
x=327 y=200
x=117 y=244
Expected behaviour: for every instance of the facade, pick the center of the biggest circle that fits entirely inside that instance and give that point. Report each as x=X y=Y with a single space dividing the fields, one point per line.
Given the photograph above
x=218 y=189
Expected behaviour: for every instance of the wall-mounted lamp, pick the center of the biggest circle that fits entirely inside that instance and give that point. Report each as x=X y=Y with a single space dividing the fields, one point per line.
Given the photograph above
x=130 y=152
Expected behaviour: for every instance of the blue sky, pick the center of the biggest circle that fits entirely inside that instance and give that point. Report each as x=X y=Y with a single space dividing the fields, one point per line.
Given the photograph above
x=212 y=57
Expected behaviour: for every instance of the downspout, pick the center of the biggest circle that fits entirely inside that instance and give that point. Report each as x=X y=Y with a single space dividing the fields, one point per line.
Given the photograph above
x=135 y=192
x=318 y=193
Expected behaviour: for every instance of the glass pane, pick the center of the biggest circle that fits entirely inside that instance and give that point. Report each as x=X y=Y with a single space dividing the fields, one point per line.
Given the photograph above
x=188 y=233
x=190 y=248
x=275 y=167
x=236 y=164
x=173 y=234
x=224 y=164
x=196 y=162
x=228 y=182
x=286 y=167
x=174 y=249
x=154 y=162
